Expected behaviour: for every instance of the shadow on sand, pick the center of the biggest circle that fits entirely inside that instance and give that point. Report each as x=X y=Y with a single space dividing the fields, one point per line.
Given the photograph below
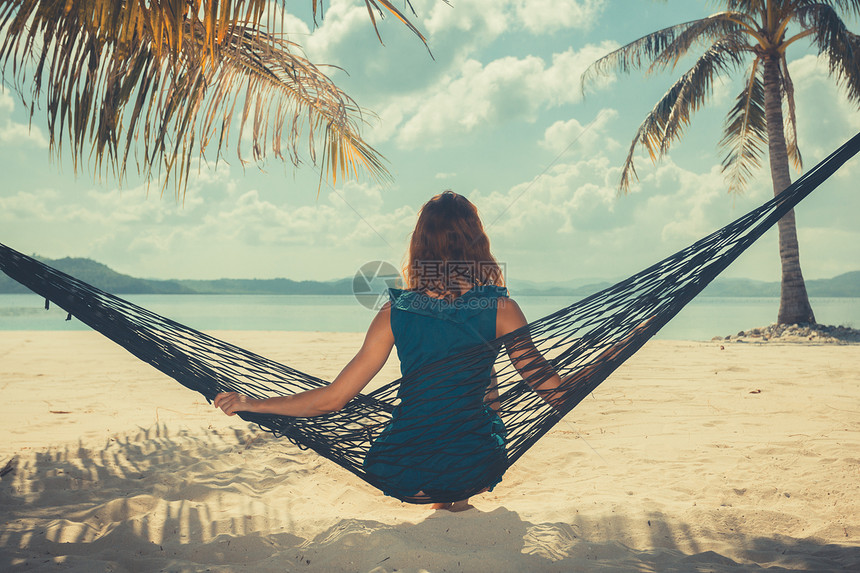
x=166 y=500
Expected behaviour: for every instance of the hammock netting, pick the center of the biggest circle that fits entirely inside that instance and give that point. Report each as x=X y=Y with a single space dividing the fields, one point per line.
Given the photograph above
x=583 y=343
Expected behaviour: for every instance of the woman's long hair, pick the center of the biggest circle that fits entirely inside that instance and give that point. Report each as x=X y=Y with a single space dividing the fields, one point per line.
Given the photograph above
x=449 y=252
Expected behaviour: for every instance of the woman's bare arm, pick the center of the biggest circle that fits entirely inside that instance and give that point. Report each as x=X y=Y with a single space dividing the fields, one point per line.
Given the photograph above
x=525 y=357
x=531 y=364
x=351 y=380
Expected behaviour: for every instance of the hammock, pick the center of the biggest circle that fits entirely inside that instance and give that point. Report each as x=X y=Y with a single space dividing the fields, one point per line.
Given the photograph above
x=584 y=343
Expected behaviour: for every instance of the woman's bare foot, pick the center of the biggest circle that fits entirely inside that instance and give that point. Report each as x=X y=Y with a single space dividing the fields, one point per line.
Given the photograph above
x=455 y=506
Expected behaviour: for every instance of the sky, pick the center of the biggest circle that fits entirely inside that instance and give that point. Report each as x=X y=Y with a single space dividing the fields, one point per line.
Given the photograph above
x=497 y=115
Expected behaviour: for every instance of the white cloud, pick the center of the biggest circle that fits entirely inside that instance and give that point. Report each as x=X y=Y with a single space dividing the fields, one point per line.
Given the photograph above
x=570 y=197
x=6 y=101
x=542 y=16
x=722 y=95
x=484 y=20
x=14 y=133
x=562 y=134
x=455 y=34
x=345 y=219
x=476 y=96
x=692 y=201
x=346 y=23
x=491 y=18
x=29 y=205
x=223 y=226
x=295 y=28
x=574 y=214
x=825 y=117
x=832 y=247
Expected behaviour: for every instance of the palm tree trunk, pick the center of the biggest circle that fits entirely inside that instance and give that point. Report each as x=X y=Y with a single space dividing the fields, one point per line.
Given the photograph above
x=794 y=304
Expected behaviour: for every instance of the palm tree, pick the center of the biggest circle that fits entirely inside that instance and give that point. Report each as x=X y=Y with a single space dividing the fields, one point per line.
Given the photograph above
x=760 y=31
x=161 y=80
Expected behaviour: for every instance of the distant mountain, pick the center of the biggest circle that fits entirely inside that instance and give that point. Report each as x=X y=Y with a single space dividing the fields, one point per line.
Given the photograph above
x=847 y=284
x=540 y=290
x=105 y=278
x=580 y=287
x=844 y=285
x=525 y=286
x=268 y=286
x=743 y=288
x=100 y=276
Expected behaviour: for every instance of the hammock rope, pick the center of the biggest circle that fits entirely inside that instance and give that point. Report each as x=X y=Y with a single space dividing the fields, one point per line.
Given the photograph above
x=583 y=343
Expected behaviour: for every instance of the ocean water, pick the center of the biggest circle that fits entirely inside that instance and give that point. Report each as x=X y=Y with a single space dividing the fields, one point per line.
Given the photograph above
x=702 y=319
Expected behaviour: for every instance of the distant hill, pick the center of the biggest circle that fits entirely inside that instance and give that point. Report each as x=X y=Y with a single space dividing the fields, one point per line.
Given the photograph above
x=847 y=284
x=521 y=286
x=268 y=286
x=744 y=288
x=105 y=278
x=537 y=289
x=100 y=276
x=844 y=285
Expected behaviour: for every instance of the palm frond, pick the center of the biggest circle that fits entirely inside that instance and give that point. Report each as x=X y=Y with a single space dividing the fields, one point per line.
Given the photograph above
x=847 y=6
x=747 y=6
x=836 y=43
x=159 y=81
x=631 y=56
x=791 y=117
x=709 y=29
x=667 y=120
x=379 y=5
x=278 y=83
x=649 y=129
x=745 y=132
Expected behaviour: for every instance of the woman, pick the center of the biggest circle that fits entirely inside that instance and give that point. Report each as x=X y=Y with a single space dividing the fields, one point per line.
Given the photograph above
x=444 y=436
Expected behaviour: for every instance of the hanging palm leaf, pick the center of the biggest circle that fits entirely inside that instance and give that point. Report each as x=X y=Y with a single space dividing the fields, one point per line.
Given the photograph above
x=160 y=81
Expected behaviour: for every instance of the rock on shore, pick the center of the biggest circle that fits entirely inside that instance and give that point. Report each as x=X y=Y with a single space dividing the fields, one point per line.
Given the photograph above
x=800 y=333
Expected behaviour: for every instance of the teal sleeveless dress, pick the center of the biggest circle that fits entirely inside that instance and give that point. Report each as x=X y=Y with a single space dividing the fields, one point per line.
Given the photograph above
x=442 y=440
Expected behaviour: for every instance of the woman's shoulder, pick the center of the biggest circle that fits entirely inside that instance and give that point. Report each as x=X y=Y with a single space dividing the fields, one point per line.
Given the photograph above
x=507 y=305
x=509 y=316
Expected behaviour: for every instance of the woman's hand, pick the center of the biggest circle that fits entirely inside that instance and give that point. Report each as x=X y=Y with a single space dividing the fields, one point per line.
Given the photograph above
x=232 y=402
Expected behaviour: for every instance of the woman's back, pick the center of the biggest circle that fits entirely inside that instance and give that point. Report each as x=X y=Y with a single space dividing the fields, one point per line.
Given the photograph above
x=443 y=437
x=427 y=328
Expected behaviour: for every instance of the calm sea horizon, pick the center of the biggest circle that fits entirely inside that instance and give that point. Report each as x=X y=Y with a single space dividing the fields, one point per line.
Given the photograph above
x=702 y=319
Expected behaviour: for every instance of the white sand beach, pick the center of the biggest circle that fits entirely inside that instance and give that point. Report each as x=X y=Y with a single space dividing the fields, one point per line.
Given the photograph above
x=692 y=457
